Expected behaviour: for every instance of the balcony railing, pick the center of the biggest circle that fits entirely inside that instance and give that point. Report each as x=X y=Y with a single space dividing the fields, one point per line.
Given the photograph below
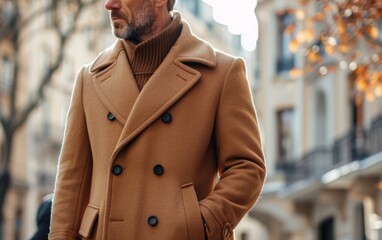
x=355 y=146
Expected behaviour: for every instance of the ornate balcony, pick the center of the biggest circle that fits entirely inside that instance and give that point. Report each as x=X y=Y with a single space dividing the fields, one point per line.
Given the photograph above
x=355 y=146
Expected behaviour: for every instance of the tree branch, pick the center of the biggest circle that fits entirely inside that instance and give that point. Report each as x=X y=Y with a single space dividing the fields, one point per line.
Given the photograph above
x=9 y=18
x=14 y=85
x=3 y=122
x=10 y=29
x=23 y=114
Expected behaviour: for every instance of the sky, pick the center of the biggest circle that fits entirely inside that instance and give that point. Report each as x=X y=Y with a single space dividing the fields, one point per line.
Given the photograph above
x=240 y=18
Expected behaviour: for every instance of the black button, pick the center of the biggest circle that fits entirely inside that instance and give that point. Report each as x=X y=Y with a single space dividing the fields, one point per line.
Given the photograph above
x=110 y=116
x=152 y=221
x=117 y=170
x=158 y=170
x=166 y=117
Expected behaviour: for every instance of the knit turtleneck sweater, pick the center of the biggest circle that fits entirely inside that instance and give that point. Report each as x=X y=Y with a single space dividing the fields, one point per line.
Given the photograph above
x=145 y=57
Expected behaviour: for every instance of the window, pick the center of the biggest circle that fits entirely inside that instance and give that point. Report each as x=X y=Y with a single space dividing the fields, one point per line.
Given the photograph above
x=206 y=13
x=360 y=226
x=244 y=236
x=90 y=38
x=6 y=75
x=45 y=60
x=193 y=6
x=358 y=150
x=51 y=7
x=379 y=25
x=7 y=12
x=237 y=43
x=321 y=123
x=320 y=48
x=67 y=71
x=326 y=229
x=18 y=220
x=66 y=20
x=256 y=78
x=45 y=124
x=285 y=120
x=285 y=58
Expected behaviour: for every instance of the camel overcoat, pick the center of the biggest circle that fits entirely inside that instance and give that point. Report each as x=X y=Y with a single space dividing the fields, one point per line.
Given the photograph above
x=149 y=165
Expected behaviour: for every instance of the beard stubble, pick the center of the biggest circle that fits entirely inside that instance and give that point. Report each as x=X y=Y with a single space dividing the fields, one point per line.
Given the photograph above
x=135 y=27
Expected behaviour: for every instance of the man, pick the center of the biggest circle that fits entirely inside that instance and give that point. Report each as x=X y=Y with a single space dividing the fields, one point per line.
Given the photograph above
x=152 y=122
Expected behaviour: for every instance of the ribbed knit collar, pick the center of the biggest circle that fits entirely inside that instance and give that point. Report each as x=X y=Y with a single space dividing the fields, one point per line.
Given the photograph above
x=145 y=57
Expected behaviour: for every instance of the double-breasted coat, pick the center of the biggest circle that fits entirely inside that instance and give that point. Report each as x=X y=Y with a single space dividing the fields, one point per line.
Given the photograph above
x=150 y=164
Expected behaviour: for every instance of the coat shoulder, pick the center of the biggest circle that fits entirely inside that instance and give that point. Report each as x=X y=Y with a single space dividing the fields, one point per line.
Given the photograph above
x=224 y=58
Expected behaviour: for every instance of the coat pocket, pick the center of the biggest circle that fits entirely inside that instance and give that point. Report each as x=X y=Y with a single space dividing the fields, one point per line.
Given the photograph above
x=192 y=212
x=88 y=221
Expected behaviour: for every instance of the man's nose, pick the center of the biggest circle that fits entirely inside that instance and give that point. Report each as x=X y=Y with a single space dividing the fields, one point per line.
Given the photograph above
x=113 y=4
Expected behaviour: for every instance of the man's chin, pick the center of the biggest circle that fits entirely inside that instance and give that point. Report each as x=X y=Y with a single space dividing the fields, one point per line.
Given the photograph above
x=120 y=33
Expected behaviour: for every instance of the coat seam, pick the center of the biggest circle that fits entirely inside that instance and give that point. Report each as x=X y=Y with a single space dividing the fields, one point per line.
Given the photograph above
x=217 y=137
x=57 y=233
x=80 y=196
x=216 y=219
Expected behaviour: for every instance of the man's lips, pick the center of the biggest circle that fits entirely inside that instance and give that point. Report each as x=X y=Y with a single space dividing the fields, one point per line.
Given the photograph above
x=117 y=16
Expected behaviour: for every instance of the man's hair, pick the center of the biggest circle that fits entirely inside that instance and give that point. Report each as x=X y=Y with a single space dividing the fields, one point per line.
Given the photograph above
x=170 y=5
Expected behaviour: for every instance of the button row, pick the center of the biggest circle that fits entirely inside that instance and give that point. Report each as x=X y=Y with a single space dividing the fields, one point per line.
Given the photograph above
x=158 y=170
x=166 y=117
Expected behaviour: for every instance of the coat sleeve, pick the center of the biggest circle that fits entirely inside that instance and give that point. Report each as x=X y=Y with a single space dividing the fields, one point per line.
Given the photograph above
x=241 y=162
x=73 y=178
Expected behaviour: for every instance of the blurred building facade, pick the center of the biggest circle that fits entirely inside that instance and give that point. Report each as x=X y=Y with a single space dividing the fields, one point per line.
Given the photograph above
x=323 y=150
x=323 y=147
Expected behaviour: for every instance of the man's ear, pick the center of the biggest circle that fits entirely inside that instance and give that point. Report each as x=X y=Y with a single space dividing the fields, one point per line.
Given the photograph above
x=160 y=3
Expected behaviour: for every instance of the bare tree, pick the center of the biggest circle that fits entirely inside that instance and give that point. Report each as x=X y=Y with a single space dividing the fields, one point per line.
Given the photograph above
x=13 y=23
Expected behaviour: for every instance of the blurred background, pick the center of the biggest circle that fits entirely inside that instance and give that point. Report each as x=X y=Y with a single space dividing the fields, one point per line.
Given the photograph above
x=314 y=67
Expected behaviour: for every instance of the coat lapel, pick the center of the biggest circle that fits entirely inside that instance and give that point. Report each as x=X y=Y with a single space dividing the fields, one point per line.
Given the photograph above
x=115 y=84
x=172 y=80
x=168 y=84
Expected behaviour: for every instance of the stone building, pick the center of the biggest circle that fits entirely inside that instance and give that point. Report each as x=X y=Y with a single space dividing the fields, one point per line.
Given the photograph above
x=324 y=150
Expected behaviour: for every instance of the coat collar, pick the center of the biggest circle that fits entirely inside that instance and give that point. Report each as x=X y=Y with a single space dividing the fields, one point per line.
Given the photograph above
x=188 y=48
x=115 y=84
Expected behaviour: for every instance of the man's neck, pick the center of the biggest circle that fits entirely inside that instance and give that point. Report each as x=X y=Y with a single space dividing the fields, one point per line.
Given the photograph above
x=161 y=22
x=145 y=57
